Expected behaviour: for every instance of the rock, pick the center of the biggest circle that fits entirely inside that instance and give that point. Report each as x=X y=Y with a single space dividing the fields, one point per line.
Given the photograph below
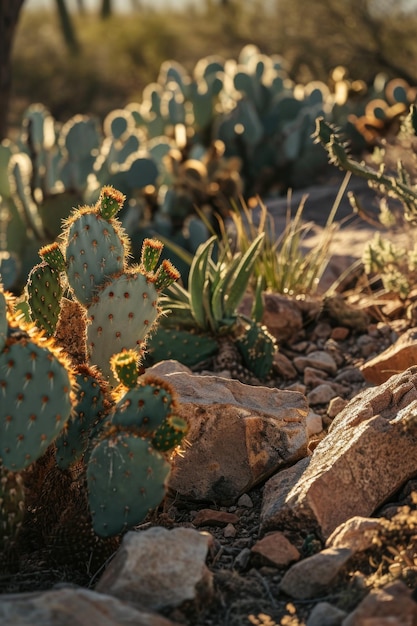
x=322 y=394
x=281 y=316
x=336 y=405
x=276 y=549
x=73 y=606
x=396 y=359
x=314 y=423
x=391 y=605
x=319 y=359
x=210 y=517
x=357 y=534
x=246 y=501
x=340 y=333
x=325 y=614
x=313 y=377
x=369 y=452
x=284 y=367
x=159 y=569
x=314 y=575
x=239 y=435
x=229 y=531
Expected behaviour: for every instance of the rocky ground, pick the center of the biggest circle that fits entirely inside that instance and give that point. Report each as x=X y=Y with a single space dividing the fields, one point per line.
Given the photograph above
x=314 y=518
x=295 y=502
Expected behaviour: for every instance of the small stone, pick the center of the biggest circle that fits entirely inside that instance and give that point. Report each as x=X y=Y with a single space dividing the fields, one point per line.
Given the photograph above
x=242 y=560
x=335 y=406
x=319 y=359
x=276 y=549
x=314 y=575
x=283 y=366
x=229 y=531
x=245 y=501
x=211 y=517
x=340 y=333
x=313 y=377
x=314 y=423
x=323 y=330
x=396 y=358
x=325 y=614
x=321 y=394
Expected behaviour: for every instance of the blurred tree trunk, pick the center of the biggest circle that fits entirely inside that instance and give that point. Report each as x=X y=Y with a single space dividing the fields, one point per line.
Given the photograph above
x=9 y=16
x=67 y=26
x=106 y=9
x=81 y=7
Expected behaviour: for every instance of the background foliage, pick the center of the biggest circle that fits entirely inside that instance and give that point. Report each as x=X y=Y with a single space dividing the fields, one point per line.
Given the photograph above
x=117 y=56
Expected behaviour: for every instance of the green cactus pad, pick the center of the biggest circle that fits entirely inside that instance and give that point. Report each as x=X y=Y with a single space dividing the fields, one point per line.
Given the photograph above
x=125 y=367
x=125 y=309
x=89 y=410
x=170 y=433
x=44 y=292
x=146 y=406
x=151 y=251
x=52 y=254
x=257 y=348
x=36 y=387
x=182 y=345
x=95 y=250
x=126 y=479
x=110 y=202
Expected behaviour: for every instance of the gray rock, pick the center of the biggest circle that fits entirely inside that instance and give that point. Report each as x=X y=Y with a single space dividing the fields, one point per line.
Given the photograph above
x=319 y=359
x=159 y=568
x=314 y=575
x=325 y=614
x=392 y=605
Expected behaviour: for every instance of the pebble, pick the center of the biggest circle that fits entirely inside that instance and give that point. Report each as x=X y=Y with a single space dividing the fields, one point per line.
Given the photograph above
x=245 y=500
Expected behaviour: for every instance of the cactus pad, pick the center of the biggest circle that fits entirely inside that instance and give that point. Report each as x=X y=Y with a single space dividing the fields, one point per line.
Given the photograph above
x=89 y=410
x=146 y=406
x=123 y=312
x=44 y=293
x=96 y=249
x=125 y=367
x=170 y=433
x=126 y=479
x=36 y=385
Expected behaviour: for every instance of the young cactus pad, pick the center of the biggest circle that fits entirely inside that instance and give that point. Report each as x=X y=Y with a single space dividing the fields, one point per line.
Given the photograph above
x=36 y=388
x=126 y=479
x=146 y=406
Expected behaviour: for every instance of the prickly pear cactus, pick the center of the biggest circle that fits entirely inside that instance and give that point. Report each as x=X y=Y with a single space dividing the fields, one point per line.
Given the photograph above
x=256 y=346
x=44 y=292
x=12 y=507
x=126 y=479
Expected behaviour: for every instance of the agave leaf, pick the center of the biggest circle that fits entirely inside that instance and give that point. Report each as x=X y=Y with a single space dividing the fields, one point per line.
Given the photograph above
x=197 y=281
x=241 y=277
x=219 y=290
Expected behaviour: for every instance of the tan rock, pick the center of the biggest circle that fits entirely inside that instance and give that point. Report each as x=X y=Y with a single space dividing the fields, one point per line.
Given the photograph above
x=356 y=534
x=397 y=358
x=392 y=605
x=211 y=517
x=276 y=549
x=369 y=452
x=239 y=435
x=77 y=607
x=159 y=568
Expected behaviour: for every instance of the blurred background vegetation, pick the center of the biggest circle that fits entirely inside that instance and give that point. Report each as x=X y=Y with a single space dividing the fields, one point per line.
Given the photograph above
x=75 y=59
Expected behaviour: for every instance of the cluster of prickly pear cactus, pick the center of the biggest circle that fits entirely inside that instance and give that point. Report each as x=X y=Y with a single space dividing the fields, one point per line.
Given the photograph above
x=102 y=424
x=129 y=463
